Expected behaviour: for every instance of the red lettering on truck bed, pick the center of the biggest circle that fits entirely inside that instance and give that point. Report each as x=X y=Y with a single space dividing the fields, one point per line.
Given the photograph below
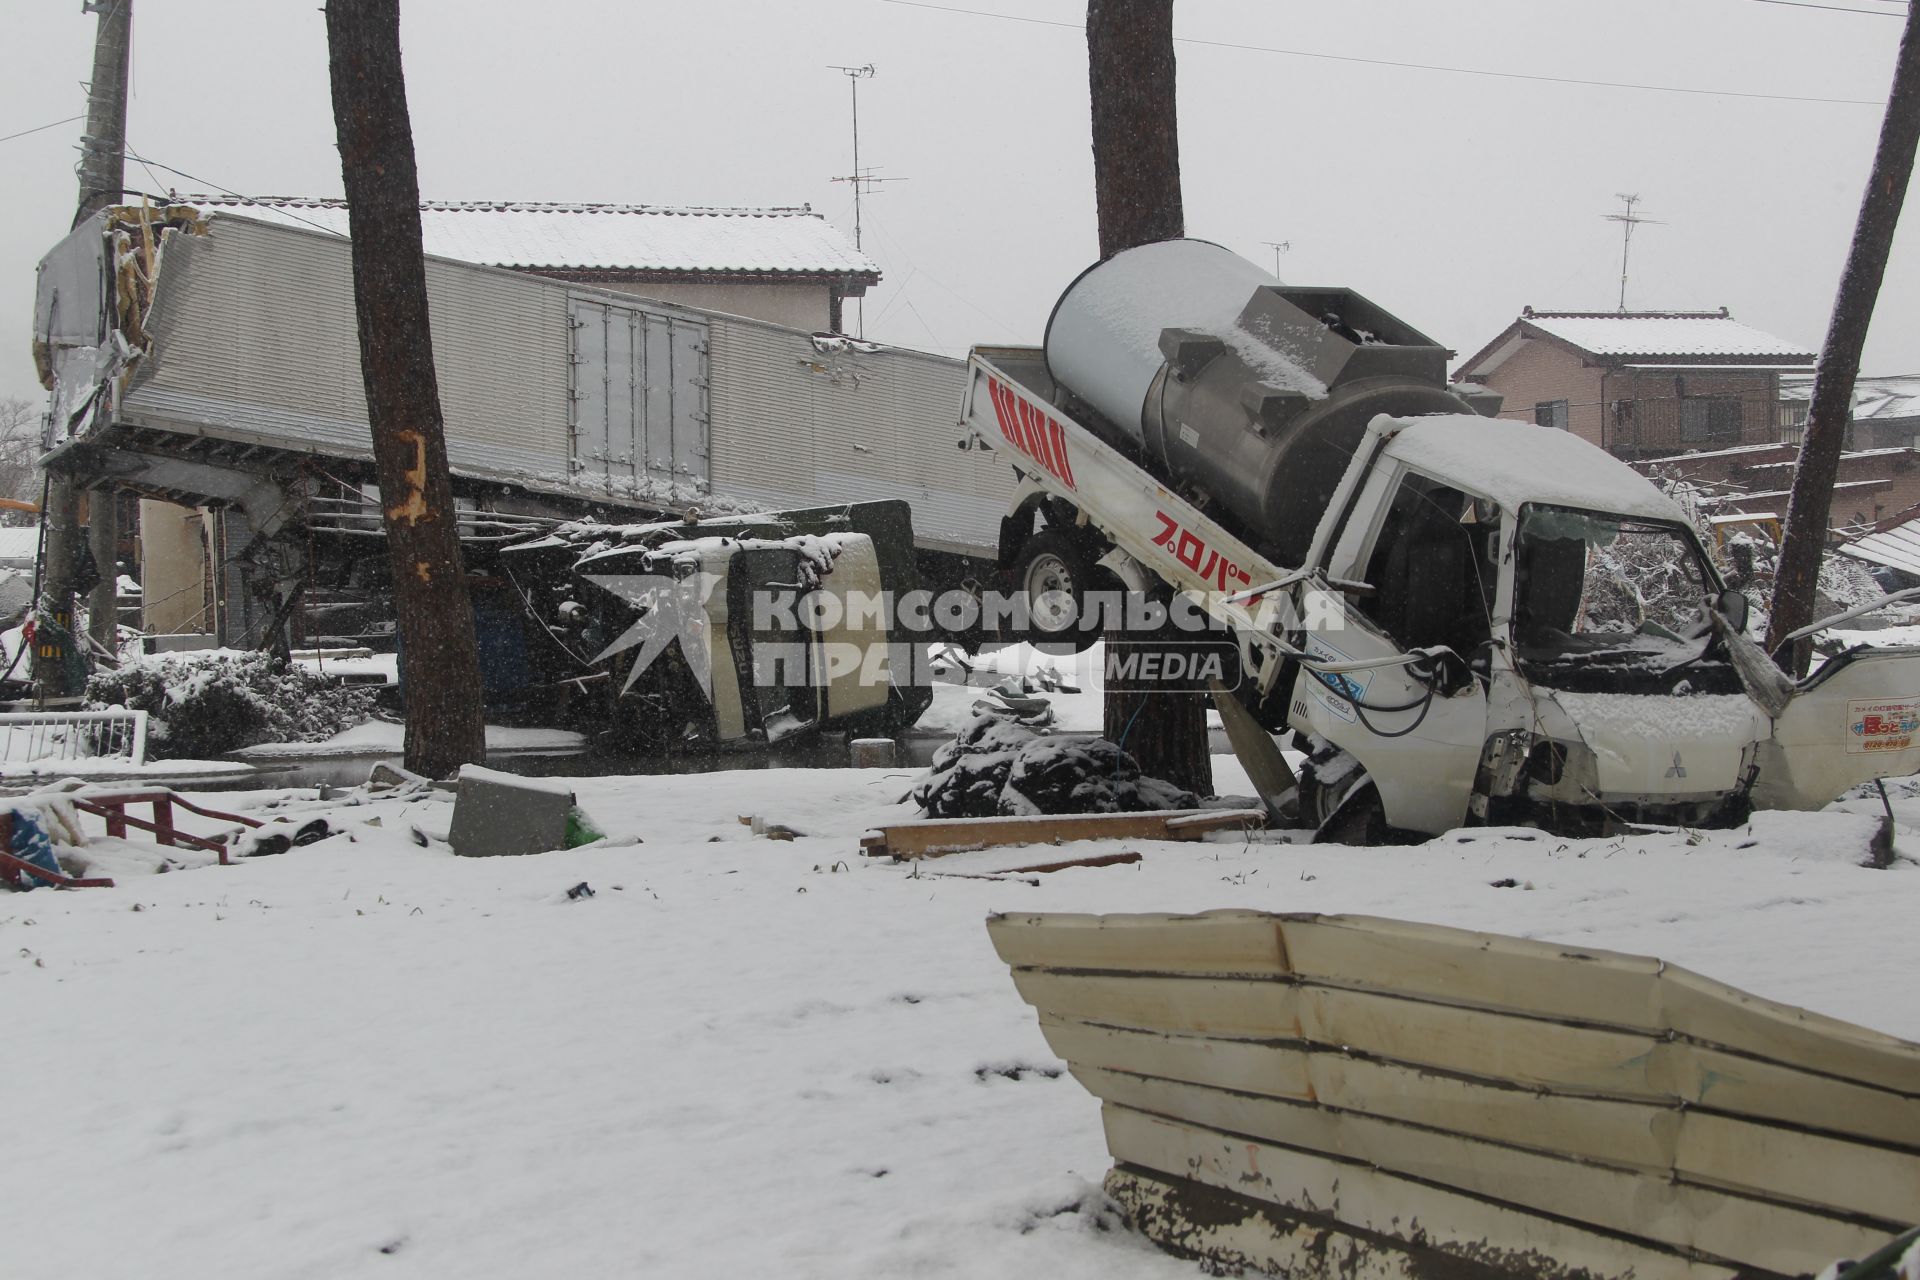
x=1031 y=431
x=1191 y=550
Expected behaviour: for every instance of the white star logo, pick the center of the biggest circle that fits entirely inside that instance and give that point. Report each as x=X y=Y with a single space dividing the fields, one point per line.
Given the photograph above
x=669 y=609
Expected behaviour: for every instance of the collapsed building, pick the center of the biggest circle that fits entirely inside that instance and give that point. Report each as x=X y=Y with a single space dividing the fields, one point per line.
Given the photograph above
x=602 y=362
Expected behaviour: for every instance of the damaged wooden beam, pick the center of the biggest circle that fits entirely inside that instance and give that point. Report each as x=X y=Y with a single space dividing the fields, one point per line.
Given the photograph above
x=934 y=837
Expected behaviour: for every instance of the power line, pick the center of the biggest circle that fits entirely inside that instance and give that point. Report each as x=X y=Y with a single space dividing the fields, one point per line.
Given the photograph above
x=42 y=128
x=227 y=191
x=1835 y=8
x=1419 y=66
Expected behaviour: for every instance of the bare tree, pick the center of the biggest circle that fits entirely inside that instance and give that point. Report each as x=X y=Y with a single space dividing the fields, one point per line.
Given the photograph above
x=1136 y=180
x=19 y=456
x=1811 y=502
x=440 y=666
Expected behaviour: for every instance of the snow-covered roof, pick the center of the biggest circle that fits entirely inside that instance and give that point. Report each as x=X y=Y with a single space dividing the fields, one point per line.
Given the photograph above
x=1873 y=398
x=597 y=237
x=1518 y=462
x=1710 y=339
x=1664 y=333
x=1897 y=548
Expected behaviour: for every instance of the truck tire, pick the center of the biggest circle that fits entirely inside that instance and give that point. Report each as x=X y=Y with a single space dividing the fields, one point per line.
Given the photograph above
x=1054 y=573
x=1347 y=811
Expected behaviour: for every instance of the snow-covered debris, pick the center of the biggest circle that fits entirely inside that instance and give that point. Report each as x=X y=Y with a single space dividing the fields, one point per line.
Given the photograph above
x=213 y=701
x=1004 y=763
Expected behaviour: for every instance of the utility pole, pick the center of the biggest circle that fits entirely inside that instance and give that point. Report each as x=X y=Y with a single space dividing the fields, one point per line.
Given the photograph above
x=102 y=175
x=861 y=179
x=1279 y=247
x=1628 y=221
x=1811 y=501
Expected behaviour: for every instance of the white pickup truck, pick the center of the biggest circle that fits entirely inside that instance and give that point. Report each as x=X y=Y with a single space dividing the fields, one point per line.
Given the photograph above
x=1461 y=619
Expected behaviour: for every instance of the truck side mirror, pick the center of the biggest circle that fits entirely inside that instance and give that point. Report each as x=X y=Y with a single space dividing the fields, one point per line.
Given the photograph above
x=1735 y=608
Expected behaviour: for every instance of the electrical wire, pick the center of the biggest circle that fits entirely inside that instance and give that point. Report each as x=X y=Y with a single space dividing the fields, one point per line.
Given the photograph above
x=1832 y=8
x=1420 y=66
x=42 y=128
x=228 y=191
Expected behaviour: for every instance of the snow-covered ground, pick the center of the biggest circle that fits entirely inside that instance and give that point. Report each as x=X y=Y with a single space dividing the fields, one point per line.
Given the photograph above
x=740 y=1056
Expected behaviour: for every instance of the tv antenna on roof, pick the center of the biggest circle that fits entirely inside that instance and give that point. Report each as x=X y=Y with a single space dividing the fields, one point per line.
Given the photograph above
x=1628 y=221
x=862 y=179
x=1279 y=247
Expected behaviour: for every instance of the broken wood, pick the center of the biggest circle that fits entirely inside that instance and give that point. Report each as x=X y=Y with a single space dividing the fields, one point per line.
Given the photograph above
x=935 y=837
x=1042 y=868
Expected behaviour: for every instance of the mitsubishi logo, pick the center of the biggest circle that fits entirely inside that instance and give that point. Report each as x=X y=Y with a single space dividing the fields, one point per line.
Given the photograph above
x=1678 y=770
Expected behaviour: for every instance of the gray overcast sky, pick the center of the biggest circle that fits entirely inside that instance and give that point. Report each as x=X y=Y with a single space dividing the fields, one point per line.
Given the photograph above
x=1452 y=200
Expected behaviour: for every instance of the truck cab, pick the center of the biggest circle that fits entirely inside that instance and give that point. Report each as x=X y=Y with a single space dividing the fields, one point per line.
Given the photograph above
x=1575 y=597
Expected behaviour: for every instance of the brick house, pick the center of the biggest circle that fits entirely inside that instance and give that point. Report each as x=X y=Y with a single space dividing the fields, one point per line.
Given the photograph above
x=1641 y=384
x=1871 y=485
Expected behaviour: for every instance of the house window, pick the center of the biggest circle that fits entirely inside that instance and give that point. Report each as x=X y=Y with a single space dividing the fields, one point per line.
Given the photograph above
x=1551 y=413
x=1710 y=420
x=1793 y=421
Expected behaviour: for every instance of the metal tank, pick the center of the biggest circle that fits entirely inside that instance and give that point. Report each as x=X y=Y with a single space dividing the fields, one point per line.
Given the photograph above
x=1245 y=394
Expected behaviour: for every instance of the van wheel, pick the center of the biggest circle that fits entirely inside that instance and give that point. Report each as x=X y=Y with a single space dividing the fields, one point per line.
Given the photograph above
x=1053 y=574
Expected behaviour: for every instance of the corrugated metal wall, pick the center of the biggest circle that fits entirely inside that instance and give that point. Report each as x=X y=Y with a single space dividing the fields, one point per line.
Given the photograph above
x=794 y=425
x=255 y=340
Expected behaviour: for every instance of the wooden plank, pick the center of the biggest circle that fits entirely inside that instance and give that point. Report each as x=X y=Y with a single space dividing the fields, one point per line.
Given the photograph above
x=1530 y=1052
x=1378 y=1201
x=1489 y=971
x=1769 y=1091
x=1736 y=1154
x=1524 y=1051
x=1832 y=1172
x=1715 y=1013
x=932 y=837
x=1624 y=1133
x=1636 y=1202
x=1535 y=981
x=1251 y=1065
x=1232 y=942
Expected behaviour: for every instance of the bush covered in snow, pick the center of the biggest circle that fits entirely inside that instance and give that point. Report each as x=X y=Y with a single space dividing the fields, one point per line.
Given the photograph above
x=1003 y=764
x=202 y=705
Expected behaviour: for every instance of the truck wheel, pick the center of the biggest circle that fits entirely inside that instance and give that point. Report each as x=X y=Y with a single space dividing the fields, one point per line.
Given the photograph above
x=1348 y=809
x=1053 y=574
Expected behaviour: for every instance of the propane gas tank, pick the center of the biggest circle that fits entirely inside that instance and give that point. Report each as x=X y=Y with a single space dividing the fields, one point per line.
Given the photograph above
x=1247 y=395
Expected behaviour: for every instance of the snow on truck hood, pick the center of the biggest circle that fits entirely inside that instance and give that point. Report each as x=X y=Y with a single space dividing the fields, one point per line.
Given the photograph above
x=1517 y=462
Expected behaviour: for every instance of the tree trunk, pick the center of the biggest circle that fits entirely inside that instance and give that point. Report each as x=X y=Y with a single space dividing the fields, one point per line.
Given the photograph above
x=440 y=667
x=1136 y=180
x=1810 y=504
x=1136 y=144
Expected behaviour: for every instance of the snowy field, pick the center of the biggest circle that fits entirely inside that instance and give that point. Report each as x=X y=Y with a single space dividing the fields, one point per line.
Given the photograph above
x=739 y=1057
